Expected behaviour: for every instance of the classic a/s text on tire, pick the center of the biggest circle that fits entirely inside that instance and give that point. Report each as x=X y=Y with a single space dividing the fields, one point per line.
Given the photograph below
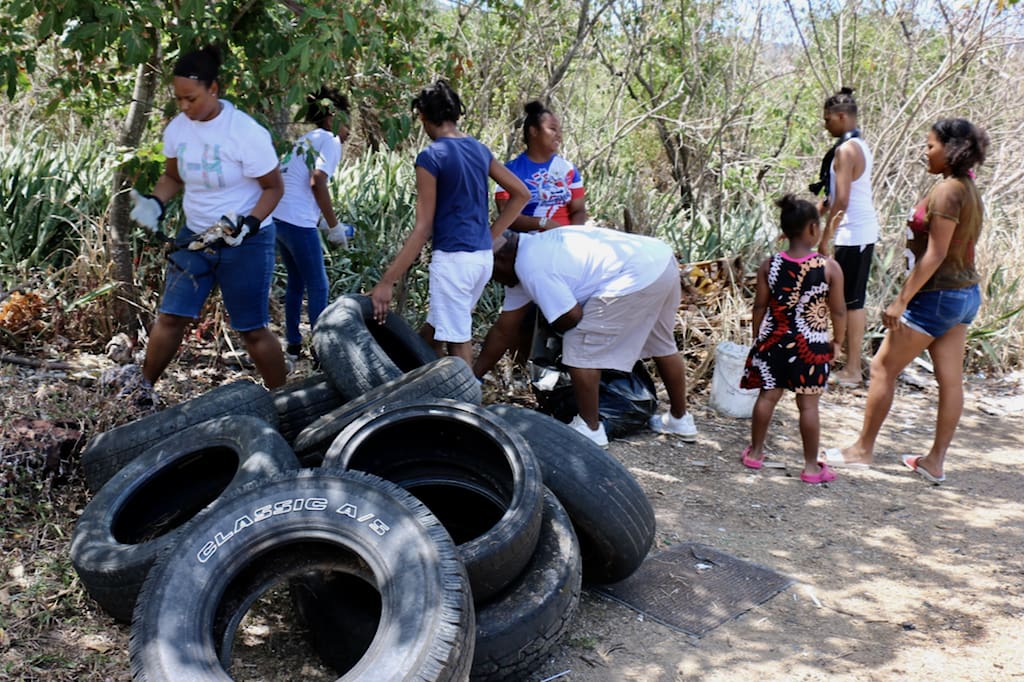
x=312 y=521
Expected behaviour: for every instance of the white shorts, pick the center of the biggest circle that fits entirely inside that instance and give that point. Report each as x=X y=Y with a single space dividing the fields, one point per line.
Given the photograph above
x=457 y=279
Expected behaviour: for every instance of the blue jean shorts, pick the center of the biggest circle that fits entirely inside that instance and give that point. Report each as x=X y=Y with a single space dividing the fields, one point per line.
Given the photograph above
x=243 y=273
x=936 y=312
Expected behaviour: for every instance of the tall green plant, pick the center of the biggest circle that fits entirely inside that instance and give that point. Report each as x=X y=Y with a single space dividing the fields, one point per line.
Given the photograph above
x=376 y=194
x=276 y=52
x=48 y=190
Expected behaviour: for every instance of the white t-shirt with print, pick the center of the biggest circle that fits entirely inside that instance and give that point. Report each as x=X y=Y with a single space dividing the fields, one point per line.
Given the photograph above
x=316 y=150
x=219 y=161
x=559 y=268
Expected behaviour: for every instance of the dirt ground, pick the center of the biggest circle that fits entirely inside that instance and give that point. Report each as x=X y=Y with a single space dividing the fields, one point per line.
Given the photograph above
x=893 y=578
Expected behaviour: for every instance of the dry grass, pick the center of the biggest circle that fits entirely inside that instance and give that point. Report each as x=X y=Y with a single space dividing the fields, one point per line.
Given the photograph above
x=49 y=629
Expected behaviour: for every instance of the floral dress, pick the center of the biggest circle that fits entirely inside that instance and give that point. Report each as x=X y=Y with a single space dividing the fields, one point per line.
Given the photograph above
x=793 y=348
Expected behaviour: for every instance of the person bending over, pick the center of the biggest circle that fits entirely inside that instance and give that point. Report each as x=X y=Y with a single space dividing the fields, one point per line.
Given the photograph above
x=612 y=295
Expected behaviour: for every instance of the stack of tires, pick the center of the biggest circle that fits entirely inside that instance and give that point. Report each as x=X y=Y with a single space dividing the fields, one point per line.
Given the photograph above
x=420 y=535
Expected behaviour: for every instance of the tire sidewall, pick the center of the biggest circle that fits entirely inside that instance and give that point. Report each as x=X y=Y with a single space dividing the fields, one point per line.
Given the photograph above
x=496 y=557
x=112 y=571
x=420 y=577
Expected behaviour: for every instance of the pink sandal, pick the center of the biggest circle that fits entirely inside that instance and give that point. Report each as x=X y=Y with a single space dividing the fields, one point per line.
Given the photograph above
x=750 y=462
x=823 y=476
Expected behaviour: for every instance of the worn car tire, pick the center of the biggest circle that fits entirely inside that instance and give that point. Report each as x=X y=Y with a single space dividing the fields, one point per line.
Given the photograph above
x=516 y=629
x=481 y=480
x=448 y=377
x=107 y=452
x=357 y=353
x=300 y=403
x=314 y=521
x=613 y=518
x=147 y=505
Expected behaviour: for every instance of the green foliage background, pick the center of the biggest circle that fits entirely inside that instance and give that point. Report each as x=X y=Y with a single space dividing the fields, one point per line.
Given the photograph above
x=686 y=119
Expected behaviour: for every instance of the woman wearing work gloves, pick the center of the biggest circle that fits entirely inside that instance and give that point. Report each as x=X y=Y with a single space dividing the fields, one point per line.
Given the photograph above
x=226 y=165
x=307 y=200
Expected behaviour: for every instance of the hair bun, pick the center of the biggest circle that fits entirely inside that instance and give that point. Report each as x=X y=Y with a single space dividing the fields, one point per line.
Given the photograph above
x=846 y=90
x=213 y=52
x=533 y=107
x=786 y=201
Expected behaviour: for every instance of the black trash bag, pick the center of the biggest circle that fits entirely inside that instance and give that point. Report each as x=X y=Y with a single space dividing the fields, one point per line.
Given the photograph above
x=626 y=400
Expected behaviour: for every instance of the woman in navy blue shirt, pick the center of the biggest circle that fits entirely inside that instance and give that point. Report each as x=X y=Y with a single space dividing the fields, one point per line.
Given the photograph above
x=451 y=209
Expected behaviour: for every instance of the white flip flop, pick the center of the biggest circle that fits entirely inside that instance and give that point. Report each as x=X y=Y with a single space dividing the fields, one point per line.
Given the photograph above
x=834 y=458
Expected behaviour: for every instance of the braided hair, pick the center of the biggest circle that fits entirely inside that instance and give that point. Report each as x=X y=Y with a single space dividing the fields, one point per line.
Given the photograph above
x=842 y=102
x=439 y=103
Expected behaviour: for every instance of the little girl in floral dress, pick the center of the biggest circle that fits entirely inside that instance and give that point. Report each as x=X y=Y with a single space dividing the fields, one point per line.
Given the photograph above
x=798 y=291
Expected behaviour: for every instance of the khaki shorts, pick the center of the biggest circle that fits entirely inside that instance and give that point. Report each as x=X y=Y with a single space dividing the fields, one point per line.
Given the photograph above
x=615 y=332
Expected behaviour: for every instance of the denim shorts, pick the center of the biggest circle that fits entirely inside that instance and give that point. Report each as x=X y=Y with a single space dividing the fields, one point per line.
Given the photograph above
x=936 y=312
x=243 y=273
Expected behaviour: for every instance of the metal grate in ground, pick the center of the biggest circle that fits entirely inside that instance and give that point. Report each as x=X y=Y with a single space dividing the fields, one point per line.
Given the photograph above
x=694 y=588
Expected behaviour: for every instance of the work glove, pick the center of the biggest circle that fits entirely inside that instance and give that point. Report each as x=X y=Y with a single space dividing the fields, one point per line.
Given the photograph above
x=147 y=210
x=338 y=234
x=244 y=227
x=230 y=229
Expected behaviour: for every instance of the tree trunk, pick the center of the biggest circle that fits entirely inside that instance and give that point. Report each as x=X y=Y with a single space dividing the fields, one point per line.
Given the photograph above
x=146 y=79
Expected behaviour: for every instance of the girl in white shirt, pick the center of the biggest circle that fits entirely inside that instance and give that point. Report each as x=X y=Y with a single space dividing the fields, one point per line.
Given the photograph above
x=306 y=170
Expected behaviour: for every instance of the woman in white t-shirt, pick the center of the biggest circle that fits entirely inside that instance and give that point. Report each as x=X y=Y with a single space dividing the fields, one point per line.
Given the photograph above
x=226 y=165
x=306 y=170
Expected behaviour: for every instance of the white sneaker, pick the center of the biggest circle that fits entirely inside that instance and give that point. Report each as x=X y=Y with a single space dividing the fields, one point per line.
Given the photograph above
x=598 y=435
x=682 y=427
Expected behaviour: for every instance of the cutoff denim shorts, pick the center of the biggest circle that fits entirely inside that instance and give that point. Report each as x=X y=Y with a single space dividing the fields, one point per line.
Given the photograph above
x=243 y=273
x=936 y=312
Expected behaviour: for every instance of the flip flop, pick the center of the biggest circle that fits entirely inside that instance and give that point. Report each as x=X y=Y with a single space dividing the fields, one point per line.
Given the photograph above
x=834 y=458
x=844 y=383
x=823 y=476
x=910 y=461
x=749 y=461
